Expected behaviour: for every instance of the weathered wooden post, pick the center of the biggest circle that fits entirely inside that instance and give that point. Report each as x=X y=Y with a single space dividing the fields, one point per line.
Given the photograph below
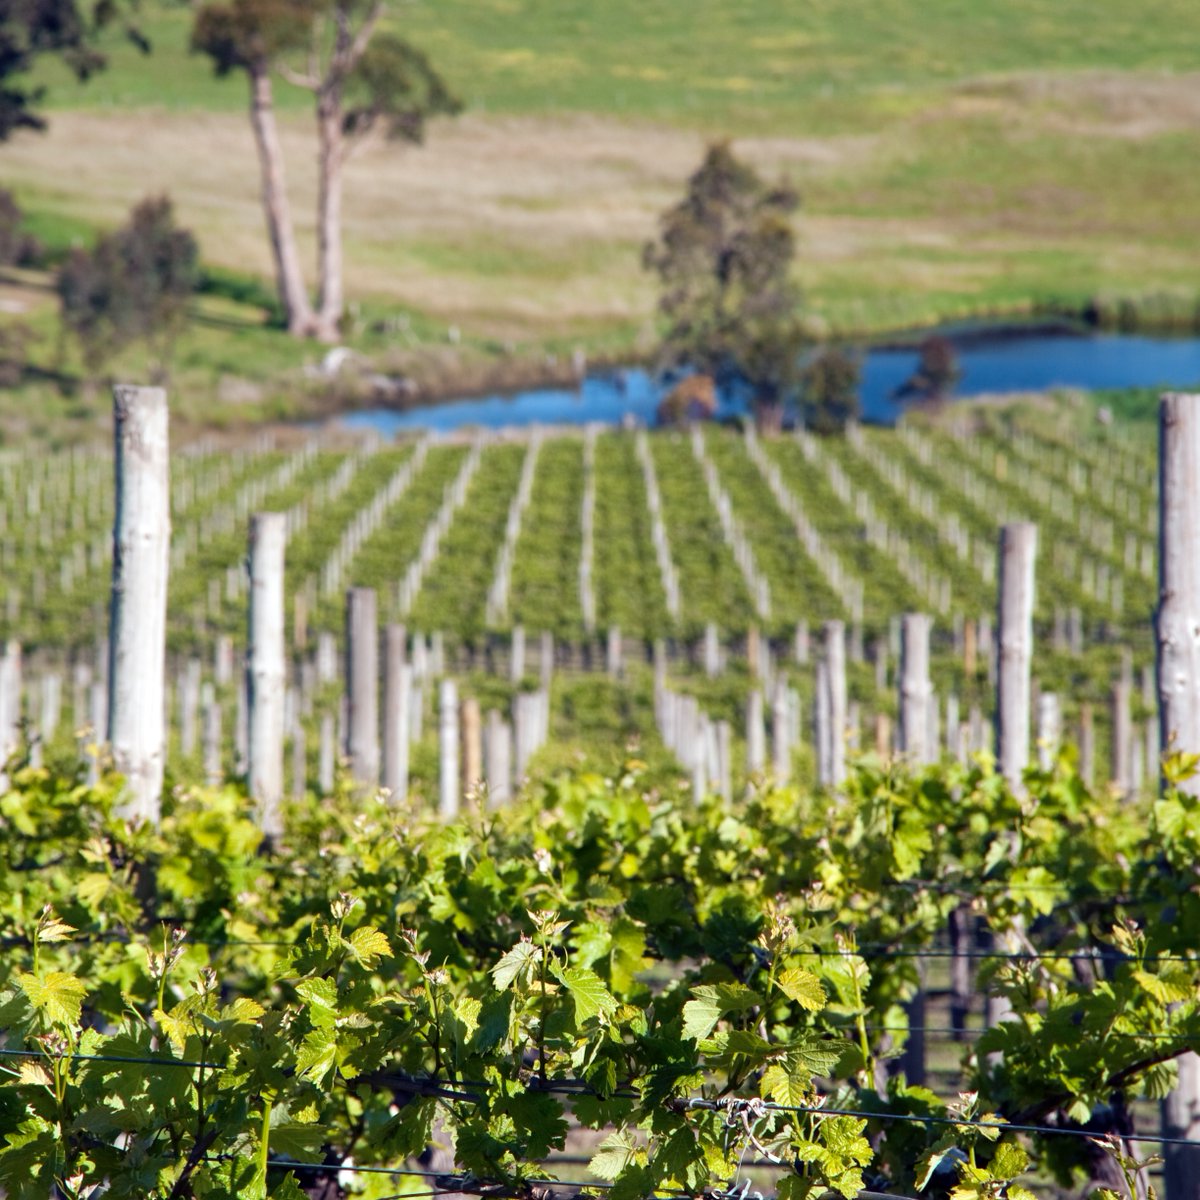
x=918 y=742
x=546 y=660
x=781 y=744
x=326 y=754
x=1177 y=628
x=1018 y=549
x=472 y=742
x=189 y=706
x=299 y=761
x=1122 y=737
x=724 y=734
x=1087 y=745
x=138 y=621
x=212 y=734
x=835 y=682
x=712 y=651
x=916 y=690
x=756 y=750
x=397 y=685
x=265 y=670
x=10 y=699
x=498 y=759
x=1049 y=729
x=448 y=785
x=362 y=685
x=516 y=657
x=613 y=652
x=822 y=735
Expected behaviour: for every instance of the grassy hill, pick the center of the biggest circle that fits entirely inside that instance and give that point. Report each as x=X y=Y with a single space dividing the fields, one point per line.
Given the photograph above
x=954 y=159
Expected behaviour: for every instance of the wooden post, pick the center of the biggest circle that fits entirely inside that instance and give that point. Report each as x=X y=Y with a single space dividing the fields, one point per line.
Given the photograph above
x=546 y=659
x=472 y=743
x=613 y=648
x=883 y=735
x=265 y=671
x=10 y=700
x=756 y=752
x=362 y=685
x=397 y=684
x=1122 y=737
x=823 y=735
x=137 y=638
x=1018 y=549
x=916 y=690
x=213 y=734
x=712 y=651
x=1087 y=745
x=1177 y=629
x=448 y=742
x=725 y=760
x=189 y=706
x=835 y=681
x=781 y=745
x=498 y=759
x=516 y=658
x=326 y=754
x=1049 y=729
x=299 y=761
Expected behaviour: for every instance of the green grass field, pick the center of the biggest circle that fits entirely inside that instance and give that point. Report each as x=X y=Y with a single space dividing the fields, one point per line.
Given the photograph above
x=955 y=159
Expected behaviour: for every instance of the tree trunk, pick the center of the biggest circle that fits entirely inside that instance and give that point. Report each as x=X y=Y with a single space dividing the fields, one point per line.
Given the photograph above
x=289 y=279
x=330 y=161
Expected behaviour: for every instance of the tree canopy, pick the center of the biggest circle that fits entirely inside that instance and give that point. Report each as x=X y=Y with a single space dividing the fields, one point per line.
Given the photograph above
x=134 y=284
x=31 y=29
x=724 y=258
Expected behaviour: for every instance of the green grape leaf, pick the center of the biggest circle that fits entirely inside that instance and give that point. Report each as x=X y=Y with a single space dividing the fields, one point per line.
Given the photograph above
x=1008 y=1161
x=803 y=987
x=322 y=999
x=56 y=994
x=711 y=1002
x=369 y=945
x=592 y=998
x=516 y=965
x=296 y=1139
x=617 y=1152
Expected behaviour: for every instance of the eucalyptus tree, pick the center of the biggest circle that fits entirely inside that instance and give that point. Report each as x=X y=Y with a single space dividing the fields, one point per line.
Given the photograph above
x=366 y=81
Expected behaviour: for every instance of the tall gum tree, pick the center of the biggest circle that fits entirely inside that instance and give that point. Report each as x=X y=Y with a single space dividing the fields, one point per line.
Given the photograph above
x=366 y=82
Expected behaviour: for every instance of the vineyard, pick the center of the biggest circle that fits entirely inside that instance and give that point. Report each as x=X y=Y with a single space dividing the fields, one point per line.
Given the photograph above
x=607 y=812
x=558 y=559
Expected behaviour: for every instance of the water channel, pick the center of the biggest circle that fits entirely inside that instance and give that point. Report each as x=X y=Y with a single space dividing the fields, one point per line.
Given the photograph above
x=993 y=359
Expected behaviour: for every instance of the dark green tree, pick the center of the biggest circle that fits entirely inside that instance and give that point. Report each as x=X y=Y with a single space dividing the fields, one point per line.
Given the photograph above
x=134 y=284
x=724 y=259
x=32 y=29
x=937 y=371
x=829 y=391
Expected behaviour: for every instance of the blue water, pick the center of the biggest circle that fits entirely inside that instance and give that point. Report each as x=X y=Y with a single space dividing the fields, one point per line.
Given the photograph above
x=1004 y=361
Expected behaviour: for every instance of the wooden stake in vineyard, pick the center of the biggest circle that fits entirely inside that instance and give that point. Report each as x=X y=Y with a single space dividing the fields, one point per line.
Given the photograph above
x=265 y=670
x=916 y=690
x=1177 y=628
x=1018 y=549
x=362 y=685
x=138 y=620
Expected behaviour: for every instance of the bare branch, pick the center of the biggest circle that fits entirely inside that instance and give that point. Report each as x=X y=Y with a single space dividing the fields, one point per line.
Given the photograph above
x=300 y=79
